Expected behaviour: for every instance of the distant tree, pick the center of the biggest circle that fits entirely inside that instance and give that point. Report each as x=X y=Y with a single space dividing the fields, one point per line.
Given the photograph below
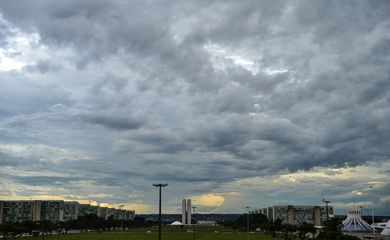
x=288 y=231
x=110 y=223
x=5 y=230
x=331 y=231
x=304 y=229
x=255 y=221
x=273 y=227
x=278 y=225
x=347 y=237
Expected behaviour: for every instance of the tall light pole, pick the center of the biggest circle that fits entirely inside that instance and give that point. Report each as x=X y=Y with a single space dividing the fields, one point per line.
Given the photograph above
x=159 y=185
x=43 y=217
x=121 y=208
x=327 y=210
x=372 y=210
x=247 y=220
x=195 y=221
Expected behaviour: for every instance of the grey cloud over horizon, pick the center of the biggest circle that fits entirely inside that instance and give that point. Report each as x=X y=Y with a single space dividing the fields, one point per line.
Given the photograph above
x=195 y=93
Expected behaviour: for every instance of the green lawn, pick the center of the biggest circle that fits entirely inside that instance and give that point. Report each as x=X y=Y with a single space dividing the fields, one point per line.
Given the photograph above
x=166 y=235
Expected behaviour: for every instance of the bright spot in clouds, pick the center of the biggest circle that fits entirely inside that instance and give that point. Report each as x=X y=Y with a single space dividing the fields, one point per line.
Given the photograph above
x=210 y=200
x=8 y=63
x=358 y=193
x=20 y=49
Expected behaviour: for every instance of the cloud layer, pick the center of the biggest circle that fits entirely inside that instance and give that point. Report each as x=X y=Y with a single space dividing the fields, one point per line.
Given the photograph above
x=100 y=99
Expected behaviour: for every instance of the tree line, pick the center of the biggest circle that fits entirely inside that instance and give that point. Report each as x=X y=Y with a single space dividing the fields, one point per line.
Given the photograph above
x=330 y=231
x=90 y=222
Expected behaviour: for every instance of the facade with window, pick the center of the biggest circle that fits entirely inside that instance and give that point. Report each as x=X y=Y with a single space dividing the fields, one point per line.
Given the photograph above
x=16 y=211
x=295 y=215
x=55 y=211
x=71 y=211
x=52 y=211
x=85 y=209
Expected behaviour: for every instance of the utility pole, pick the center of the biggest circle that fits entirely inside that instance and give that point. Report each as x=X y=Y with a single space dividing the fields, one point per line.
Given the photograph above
x=327 y=210
x=121 y=208
x=247 y=221
x=159 y=185
x=372 y=211
x=195 y=221
x=43 y=209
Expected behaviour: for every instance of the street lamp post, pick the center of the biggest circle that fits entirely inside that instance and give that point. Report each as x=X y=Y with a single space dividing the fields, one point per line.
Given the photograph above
x=327 y=210
x=195 y=221
x=121 y=208
x=43 y=219
x=372 y=211
x=247 y=220
x=159 y=185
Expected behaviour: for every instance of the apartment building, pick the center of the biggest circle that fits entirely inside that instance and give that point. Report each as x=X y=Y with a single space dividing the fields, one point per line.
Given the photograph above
x=71 y=211
x=55 y=211
x=12 y=211
x=85 y=209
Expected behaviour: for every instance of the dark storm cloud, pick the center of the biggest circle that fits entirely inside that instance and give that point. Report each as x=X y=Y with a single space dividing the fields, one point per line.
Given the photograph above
x=6 y=160
x=199 y=91
x=43 y=66
x=33 y=97
x=116 y=123
x=4 y=33
x=100 y=25
x=42 y=180
x=88 y=11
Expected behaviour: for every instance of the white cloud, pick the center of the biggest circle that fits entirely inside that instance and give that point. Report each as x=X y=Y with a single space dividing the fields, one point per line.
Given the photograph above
x=44 y=153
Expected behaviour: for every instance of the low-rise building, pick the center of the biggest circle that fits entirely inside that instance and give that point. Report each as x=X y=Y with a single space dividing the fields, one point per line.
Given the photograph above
x=1 y=211
x=85 y=209
x=55 y=211
x=128 y=215
x=52 y=211
x=16 y=211
x=206 y=223
x=110 y=213
x=71 y=211
x=103 y=212
x=297 y=214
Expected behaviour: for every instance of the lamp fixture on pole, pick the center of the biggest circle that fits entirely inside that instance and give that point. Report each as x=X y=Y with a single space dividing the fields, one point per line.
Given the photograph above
x=159 y=185
x=247 y=220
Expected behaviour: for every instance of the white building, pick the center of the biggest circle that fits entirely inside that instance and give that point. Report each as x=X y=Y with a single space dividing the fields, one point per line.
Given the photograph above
x=354 y=221
x=186 y=211
x=386 y=229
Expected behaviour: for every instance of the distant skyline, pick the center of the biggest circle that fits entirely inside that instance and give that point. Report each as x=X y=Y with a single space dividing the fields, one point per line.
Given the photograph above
x=233 y=103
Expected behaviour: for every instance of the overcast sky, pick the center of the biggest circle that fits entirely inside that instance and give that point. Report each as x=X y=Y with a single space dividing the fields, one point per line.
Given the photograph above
x=233 y=103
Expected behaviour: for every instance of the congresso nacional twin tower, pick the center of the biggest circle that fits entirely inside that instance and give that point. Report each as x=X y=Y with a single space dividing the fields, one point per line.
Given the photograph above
x=186 y=211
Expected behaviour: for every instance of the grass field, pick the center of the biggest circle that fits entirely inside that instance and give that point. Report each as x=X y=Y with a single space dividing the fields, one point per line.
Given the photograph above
x=168 y=235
